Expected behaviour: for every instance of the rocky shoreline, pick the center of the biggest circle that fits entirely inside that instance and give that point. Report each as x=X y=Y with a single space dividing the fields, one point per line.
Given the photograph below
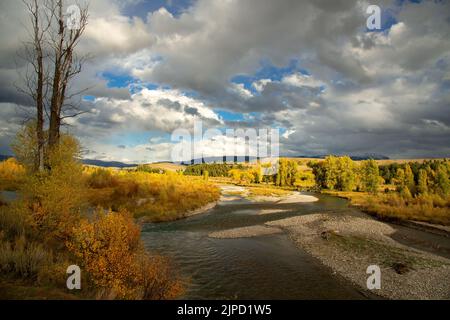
x=349 y=243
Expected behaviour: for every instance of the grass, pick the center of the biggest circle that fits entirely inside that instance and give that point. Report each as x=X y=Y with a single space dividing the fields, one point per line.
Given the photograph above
x=156 y=197
x=16 y=290
x=355 y=198
x=431 y=209
x=267 y=190
x=167 y=166
x=24 y=259
x=391 y=206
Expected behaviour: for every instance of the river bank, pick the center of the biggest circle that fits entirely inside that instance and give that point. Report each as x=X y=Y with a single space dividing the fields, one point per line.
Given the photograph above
x=180 y=216
x=350 y=241
x=254 y=266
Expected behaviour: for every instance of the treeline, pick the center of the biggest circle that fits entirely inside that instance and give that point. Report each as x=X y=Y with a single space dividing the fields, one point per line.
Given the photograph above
x=414 y=178
x=389 y=171
x=211 y=169
x=344 y=174
x=287 y=173
x=148 y=169
x=410 y=179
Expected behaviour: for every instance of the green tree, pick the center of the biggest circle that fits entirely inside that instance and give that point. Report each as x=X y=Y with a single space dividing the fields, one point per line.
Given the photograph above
x=405 y=193
x=287 y=172
x=370 y=178
x=422 y=185
x=318 y=170
x=399 y=179
x=305 y=179
x=291 y=172
x=346 y=177
x=442 y=182
x=330 y=166
x=409 y=178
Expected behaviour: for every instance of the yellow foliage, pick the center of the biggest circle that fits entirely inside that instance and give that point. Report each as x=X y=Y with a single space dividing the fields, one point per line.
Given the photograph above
x=158 y=197
x=245 y=176
x=427 y=208
x=11 y=174
x=267 y=191
x=48 y=214
x=54 y=198
x=112 y=253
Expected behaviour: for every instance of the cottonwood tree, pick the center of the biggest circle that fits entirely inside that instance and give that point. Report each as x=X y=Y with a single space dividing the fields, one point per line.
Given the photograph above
x=36 y=78
x=66 y=65
x=52 y=63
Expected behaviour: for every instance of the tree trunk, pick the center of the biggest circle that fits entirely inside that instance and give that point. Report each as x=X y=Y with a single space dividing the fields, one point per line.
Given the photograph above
x=40 y=113
x=55 y=104
x=39 y=164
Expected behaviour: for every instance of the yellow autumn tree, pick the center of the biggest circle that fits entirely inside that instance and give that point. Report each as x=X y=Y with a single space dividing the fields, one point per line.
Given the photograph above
x=56 y=196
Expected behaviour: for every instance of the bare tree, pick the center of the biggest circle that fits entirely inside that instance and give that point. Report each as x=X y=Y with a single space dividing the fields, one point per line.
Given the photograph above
x=66 y=65
x=36 y=80
x=52 y=63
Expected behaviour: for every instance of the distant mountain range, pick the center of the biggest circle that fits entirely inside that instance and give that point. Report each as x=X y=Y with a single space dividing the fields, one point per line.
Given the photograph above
x=101 y=163
x=247 y=158
x=118 y=164
x=219 y=160
x=366 y=156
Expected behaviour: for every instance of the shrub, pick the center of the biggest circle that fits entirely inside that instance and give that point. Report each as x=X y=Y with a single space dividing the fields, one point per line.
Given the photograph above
x=428 y=208
x=102 y=178
x=157 y=280
x=55 y=197
x=149 y=169
x=159 y=197
x=111 y=251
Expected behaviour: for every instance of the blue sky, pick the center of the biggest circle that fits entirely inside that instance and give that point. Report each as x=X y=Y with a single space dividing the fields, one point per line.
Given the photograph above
x=142 y=8
x=309 y=68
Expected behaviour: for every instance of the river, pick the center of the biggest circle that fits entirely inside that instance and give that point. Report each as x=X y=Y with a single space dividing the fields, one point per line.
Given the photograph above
x=264 y=267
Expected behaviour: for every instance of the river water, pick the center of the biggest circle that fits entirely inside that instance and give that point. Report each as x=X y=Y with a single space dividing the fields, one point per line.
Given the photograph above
x=265 y=267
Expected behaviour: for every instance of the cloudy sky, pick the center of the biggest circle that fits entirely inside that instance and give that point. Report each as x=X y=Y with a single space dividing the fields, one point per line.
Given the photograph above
x=310 y=68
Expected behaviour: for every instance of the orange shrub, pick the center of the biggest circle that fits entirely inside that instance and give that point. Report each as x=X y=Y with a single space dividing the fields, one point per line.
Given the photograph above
x=101 y=178
x=111 y=251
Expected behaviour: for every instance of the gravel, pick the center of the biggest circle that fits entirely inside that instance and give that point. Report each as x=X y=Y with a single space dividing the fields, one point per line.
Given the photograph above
x=245 y=232
x=295 y=197
x=349 y=243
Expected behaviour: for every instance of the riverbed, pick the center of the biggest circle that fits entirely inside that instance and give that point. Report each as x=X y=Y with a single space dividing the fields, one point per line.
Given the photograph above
x=260 y=267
